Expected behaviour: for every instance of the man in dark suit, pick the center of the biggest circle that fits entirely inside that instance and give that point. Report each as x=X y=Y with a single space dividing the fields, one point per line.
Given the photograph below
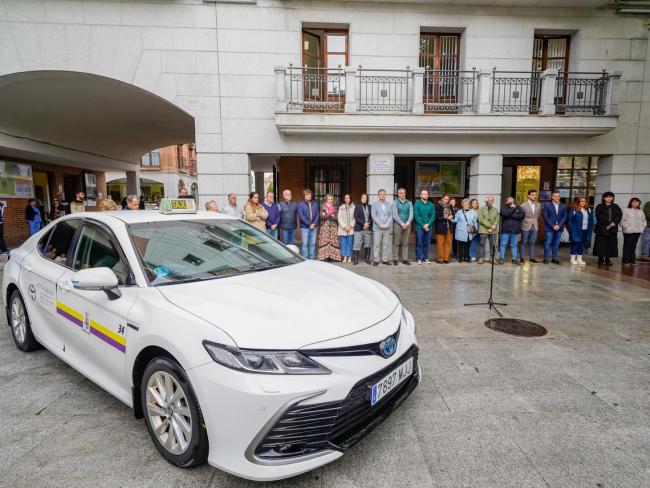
x=555 y=215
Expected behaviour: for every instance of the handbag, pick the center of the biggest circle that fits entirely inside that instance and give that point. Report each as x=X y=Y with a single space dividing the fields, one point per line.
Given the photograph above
x=471 y=228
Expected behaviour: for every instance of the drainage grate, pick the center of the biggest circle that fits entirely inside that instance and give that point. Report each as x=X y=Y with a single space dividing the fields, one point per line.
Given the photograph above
x=516 y=327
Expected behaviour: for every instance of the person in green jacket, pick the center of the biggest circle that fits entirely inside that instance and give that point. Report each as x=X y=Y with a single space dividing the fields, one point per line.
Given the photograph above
x=424 y=214
x=488 y=227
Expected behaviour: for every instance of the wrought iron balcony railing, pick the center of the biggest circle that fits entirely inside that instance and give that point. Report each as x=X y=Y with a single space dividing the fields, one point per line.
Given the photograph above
x=424 y=91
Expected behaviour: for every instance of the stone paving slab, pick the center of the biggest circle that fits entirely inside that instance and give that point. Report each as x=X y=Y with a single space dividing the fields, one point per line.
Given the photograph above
x=569 y=409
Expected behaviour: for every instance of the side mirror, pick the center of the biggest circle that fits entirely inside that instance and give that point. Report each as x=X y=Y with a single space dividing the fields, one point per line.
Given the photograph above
x=101 y=279
x=294 y=248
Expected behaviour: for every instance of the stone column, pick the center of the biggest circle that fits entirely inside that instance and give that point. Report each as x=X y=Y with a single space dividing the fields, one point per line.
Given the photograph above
x=612 y=91
x=548 y=79
x=418 y=90
x=132 y=183
x=380 y=174
x=485 y=174
x=259 y=184
x=484 y=91
x=223 y=173
x=280 y=88
x=350 y=89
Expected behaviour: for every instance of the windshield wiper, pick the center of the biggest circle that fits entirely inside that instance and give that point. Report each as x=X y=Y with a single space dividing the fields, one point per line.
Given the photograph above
x=184 y=280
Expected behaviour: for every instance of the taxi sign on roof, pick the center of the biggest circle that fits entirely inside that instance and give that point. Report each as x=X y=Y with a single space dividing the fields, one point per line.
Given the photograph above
x=177 y=205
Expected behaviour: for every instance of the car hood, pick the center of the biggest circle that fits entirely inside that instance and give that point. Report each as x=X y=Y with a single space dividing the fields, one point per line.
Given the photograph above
x=288 y=307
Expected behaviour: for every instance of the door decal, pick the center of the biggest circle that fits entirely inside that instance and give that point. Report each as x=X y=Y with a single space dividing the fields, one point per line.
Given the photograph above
x=111 y=338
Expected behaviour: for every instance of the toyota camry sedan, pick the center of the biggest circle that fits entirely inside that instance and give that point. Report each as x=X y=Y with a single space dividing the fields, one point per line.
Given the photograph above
x=233 y=348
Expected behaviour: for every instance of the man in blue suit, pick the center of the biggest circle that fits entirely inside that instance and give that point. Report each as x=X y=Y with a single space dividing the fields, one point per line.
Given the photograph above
x=555 y=215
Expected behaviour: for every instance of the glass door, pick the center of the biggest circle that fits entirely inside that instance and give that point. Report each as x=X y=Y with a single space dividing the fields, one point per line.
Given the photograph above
x=324 y=57
x=329 y=177
x=552 y=52
x=440 y=56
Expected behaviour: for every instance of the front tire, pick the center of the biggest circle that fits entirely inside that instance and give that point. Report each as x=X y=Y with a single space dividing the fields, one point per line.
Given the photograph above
x=21 y=328
x=172 y=414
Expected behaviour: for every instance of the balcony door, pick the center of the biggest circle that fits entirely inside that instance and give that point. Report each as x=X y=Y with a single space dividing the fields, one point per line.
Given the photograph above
x=329 y=177
x=440 y=57
x=324 y=57
x=552 y=52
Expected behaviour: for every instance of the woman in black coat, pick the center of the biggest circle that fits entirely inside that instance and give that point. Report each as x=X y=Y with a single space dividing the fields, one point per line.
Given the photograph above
x=608 y=216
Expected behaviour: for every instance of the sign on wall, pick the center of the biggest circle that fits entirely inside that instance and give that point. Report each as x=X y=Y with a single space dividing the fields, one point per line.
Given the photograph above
x=16 y=180
x=440 y=177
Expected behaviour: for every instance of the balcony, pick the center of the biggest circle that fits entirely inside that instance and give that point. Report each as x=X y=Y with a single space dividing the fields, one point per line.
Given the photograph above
x=364 y=101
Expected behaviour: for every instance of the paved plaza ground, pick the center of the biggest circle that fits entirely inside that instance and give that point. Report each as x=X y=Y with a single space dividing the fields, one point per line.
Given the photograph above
x=570 y=409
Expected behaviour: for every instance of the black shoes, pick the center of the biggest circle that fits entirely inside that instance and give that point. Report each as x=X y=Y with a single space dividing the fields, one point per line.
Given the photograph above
x=355 y=257
x=545 y=261
x=406 y=262
x=555 y=261
x=375 y=263
x=533 y=260
x=387 y=263
x=367 y=251
x=515 y=262
x=501 y=261
x=395 y=262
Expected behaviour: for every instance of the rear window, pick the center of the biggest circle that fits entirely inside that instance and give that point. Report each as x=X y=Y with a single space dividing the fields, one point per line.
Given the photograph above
x=55 y=245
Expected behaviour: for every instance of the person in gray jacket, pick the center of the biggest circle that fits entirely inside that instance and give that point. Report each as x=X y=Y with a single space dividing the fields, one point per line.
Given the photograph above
x=402 y=210
x=382 y=218
x=532 y=210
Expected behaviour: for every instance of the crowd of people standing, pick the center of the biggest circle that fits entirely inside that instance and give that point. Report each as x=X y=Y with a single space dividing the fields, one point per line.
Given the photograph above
x=379 y=233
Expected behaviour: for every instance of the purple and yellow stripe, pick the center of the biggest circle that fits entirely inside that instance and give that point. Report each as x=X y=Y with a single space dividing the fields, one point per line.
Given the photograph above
x=108 y=336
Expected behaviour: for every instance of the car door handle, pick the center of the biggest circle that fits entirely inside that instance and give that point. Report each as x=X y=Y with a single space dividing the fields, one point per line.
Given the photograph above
x=65 y=287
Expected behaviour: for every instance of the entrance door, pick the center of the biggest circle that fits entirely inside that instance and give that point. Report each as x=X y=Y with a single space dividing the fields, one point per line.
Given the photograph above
x=42 y=189
x=552 y=52
x=71 y=185
x=329 y=177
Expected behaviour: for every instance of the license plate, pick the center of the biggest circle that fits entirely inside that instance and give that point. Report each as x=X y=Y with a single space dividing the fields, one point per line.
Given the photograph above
x=391 y=381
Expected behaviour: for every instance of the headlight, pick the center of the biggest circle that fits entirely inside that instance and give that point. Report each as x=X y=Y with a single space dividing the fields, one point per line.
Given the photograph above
x=271 y=362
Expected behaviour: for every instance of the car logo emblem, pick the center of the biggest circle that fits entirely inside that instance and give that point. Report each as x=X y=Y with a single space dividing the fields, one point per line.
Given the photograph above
x=32 y=292
x=388 y=346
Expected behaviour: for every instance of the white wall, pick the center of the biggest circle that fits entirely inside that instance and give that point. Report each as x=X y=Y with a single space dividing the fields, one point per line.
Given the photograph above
x=216 y=61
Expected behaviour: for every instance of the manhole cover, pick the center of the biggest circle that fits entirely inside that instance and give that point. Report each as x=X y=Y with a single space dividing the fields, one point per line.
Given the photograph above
x=516 y=327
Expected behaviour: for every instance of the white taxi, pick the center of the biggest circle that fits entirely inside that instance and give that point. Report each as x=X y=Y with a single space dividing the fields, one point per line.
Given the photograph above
x=233 y=348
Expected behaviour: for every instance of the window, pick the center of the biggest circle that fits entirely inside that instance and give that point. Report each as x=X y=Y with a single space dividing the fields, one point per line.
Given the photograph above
x=329 y=177
x=55 y=245
x=576 y=177
x=90 y=185
x=151 y=158
x=96 y=250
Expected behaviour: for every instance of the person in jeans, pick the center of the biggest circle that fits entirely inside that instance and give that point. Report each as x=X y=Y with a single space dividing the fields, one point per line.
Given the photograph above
x=580 y=223
x=444 y=227
x=33 y=216
x=555 y=215
x=3 y=244
x=488 y=226
x=511 y=217
x=424 y=215
x=402 y=210
x=309 y=216
x=382 y=218
x=529 y=226
x=466 y=227
x=645 y=240
x=346 y=227
x=476 y=238
x=288 y=217
x=632 y=224
x=362 y=230
x=273 y=220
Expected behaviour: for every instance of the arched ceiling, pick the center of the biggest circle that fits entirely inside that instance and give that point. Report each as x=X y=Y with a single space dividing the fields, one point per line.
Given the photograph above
x=72 y=118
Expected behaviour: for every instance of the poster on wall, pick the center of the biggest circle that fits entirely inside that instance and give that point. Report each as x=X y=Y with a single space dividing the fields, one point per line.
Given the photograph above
x=16 y=180
x=439 y=178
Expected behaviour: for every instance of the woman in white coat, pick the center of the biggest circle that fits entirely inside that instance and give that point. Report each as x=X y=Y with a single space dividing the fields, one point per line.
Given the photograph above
x=346 y=228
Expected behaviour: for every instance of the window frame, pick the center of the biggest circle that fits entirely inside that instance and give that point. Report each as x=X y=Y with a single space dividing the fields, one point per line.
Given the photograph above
x=544 y=58
x=130 y=279
x=72 y=246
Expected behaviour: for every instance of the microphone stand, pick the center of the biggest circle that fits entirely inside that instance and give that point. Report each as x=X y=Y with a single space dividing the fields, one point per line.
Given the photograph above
x=490 y=302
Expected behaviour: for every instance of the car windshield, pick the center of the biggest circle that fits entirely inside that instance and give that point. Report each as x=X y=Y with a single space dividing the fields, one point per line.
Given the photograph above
x=179 y=251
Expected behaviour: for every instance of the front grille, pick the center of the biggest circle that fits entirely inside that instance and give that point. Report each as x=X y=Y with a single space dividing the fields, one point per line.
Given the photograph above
x=305 y=429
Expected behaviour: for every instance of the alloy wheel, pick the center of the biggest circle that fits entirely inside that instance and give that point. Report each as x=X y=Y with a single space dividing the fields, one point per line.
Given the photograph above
x=18 y=320
x=169 y=412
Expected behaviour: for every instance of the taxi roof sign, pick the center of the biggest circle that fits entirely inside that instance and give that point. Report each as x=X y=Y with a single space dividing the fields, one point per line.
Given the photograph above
x=177 y=206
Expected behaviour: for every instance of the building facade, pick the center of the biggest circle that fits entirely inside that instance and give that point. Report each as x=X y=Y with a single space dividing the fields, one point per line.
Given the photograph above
x=349 y=97
x=163 y=172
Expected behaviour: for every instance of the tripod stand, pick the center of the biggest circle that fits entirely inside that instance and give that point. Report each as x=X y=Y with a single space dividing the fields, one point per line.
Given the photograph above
x=490 y=302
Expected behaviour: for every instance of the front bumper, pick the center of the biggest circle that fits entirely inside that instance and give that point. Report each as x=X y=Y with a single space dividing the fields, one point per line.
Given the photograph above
x=244 y=412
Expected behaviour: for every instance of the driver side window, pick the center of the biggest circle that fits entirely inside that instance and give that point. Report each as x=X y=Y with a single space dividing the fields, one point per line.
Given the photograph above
x=96 y=250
